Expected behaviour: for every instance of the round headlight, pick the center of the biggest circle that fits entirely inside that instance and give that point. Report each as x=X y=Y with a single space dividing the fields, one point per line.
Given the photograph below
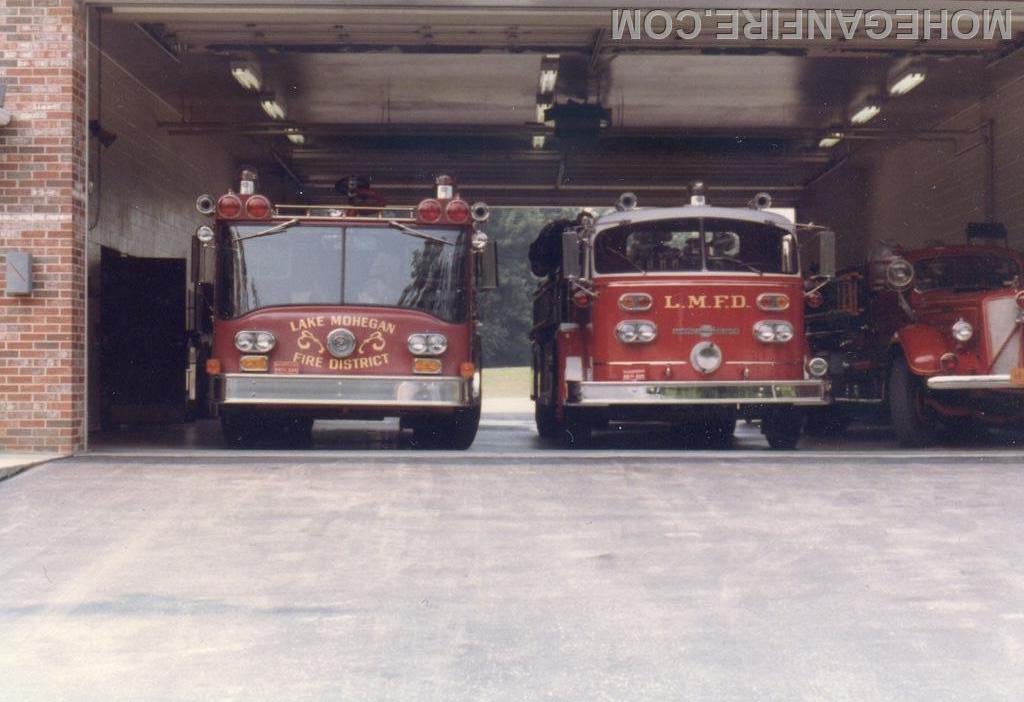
x=264 y=341
x=764 y=331
x=436 y=344
x=899 y=274
x=204 y=234
x=245 y=341
x=783 y=332
x=627 y=332
x=962 y=330
x=417 y=344
x=817 y=366
x=706 y=357
x=646 y=331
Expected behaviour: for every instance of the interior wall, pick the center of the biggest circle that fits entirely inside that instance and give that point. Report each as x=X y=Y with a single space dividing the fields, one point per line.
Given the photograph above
x=919 y=192
x=143 y=185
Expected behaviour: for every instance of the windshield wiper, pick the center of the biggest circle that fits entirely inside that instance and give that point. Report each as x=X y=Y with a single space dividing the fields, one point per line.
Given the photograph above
x=422 y=235
x=738 y=262
x=628 y=260
x=267 y=232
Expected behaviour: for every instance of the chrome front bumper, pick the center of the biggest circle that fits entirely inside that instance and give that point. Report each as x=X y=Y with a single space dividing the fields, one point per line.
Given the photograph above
x=739 y=392
x=338 y=390
x=972 y=382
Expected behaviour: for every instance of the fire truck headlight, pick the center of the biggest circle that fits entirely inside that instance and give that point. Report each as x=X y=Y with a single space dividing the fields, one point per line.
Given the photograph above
x=773 y=332
x=265 y=341
x=204 y=234
x=646 y=332
x=245 y=341
x=962 y=330
x=436 y=344
x=427 y=344
x=783 y=332
x=636 y=332
x=899 y=274
x=706 y=357
x=817 y=366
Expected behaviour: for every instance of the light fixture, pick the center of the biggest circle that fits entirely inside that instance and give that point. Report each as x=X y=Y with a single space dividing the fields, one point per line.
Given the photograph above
x=296 y=137
x=271 y=105
x=248 y=74
x=548 y=74
x=906 y=80
x=542 y=107
x=538 y=141
x=866 y=112
x=830 y=140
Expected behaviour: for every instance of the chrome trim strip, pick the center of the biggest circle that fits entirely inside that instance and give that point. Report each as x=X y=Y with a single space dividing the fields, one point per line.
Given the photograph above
x=972 y=382
x=730 y=392
x=342 y=390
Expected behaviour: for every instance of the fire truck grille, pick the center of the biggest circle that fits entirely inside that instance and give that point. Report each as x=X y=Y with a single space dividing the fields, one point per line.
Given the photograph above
x=1001 y=323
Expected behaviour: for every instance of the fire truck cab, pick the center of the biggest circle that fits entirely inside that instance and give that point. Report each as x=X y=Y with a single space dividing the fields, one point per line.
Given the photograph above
x=346 y=311
x=689 y=315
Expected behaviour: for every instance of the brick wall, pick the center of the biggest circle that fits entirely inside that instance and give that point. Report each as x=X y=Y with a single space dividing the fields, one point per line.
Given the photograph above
x=42 y=211
x=924 y=192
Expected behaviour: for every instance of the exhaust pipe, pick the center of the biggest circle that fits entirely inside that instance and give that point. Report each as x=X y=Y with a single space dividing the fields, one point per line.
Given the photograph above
x=626 y=201
x=205 y=204
x=761 y=201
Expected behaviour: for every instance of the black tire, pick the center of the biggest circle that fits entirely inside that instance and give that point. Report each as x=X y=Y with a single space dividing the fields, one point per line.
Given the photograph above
x=578 y=430
x=826 y=422
x=911 y=421
x=246 y=429
x=456 y=431
x=782 y=428
x=546 y=420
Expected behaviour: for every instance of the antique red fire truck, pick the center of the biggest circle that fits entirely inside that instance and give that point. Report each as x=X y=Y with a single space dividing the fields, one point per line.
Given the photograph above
x=690 y=315
x=347 y=311
x=924 y=338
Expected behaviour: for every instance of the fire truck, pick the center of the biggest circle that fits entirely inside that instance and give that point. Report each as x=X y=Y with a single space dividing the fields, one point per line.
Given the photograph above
x=924 y=338
x=349 y=311
x=691 y=315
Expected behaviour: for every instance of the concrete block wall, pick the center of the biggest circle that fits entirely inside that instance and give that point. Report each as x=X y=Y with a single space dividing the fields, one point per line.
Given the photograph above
x=42 y=212
x=924 y=192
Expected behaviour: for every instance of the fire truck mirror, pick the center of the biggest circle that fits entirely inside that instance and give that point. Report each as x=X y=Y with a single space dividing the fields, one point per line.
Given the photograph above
x=571 y=255
x=204 y=308
x=827 y=253
x=487 y=277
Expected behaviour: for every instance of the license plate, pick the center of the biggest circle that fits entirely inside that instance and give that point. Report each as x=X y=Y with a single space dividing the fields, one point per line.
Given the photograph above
x=634 y=374
x=1017 y=376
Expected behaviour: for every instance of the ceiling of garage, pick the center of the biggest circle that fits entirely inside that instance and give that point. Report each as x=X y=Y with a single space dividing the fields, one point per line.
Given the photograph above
x=403 y=93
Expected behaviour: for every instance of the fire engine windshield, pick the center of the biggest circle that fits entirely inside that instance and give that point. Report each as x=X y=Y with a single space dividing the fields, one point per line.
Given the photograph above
x=333 y=265
x=966 y=272
x=698 y=244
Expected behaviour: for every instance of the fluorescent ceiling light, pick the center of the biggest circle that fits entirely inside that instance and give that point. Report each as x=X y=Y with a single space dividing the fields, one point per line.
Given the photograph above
x=866 y=113
x=248 y=74
x=542 y=107
x=548 y=78
x=538 y=141
x=830 y=140
x=906 y=82
x=296 y=137
x=270 y=105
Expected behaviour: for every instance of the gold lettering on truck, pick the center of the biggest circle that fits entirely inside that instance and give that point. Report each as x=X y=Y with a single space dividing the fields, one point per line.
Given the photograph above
x=701 y=302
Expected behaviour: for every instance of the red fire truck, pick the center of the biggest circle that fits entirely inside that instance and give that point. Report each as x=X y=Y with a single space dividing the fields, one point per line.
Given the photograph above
x=347 y=311
x=690 y=315
x=925 y=338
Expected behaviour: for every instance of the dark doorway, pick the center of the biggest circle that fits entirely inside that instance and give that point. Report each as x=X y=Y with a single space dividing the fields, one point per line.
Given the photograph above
x=143 y=342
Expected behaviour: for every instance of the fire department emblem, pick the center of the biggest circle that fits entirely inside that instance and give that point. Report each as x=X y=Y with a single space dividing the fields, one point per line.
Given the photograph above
x=341 y=343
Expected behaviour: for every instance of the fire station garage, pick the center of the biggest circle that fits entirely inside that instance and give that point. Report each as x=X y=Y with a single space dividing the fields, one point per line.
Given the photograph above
x=116 y=116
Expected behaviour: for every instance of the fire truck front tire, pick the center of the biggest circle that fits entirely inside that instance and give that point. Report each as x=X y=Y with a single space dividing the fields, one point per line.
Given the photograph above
x=456 y=431
x=547 y=422
x=782 y=428
x=910 y=420
x=578 y=429
x=244 y=429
